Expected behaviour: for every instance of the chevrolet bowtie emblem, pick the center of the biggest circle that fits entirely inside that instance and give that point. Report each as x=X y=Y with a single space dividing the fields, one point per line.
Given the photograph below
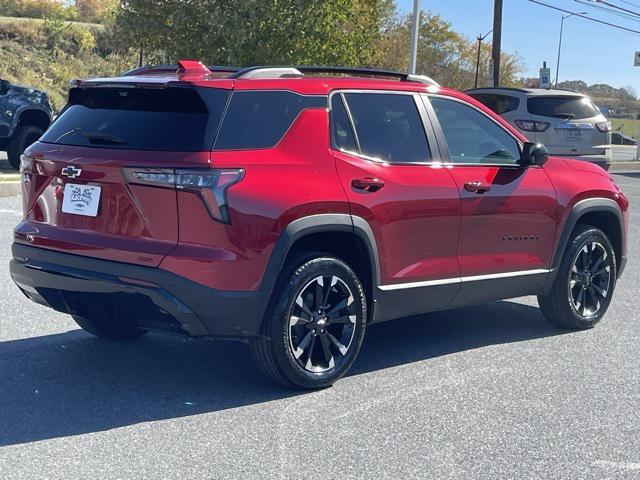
x=71 y=171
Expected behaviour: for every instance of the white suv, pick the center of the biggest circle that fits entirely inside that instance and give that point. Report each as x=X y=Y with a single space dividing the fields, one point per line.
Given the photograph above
x=568 y=123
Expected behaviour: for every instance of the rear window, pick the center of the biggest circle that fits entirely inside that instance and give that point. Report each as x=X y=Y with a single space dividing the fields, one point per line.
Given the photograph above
x=168 y=119
x=259 y=119
x=498 y=103
x=562 y=107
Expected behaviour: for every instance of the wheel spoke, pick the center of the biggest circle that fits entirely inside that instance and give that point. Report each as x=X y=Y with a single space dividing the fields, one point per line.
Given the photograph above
x=334 y=280
x=319 y=294
x=326 y=350
x=600 y=290
x=580 y=299
x=296 y=320
x=341 y=319
x=336 y=342
x=303 y=306
x=313 y=344
x=596 y=265
x=303 y=344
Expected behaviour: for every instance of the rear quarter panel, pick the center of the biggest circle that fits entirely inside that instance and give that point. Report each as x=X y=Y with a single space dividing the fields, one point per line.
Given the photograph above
x=296 y=178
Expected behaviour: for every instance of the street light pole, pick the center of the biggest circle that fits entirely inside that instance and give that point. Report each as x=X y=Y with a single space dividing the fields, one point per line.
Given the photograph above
x=480 y=40
x=560 y=41
x=414 y=37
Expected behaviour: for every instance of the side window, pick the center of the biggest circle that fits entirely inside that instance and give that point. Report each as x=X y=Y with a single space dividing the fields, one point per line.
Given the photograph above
x=341 y=132
x=259 y=119
x=472 y=137
x=389 y=127
x=498 y=103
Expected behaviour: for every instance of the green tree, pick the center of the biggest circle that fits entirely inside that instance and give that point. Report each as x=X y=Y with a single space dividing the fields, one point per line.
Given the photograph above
x=255 y=31
x=443 y=54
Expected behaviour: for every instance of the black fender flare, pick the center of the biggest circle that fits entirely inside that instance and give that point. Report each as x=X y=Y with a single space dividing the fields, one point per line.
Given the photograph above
x=581 y=208
x=326 y=222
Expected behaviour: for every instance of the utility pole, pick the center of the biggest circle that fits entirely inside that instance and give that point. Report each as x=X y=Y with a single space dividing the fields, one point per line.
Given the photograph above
x=480 y=39
x=414 y=37
x=497 y=40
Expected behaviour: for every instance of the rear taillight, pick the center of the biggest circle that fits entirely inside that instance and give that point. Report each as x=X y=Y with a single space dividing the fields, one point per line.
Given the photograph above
x=604 y=127
x=532 y=126
x=211 y=185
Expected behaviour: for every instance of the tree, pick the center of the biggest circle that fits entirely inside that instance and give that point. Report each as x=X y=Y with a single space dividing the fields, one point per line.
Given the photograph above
x=255 y=31
x=443 y=54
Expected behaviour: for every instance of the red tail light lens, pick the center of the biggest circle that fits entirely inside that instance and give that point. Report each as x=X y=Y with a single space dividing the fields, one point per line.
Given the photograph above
x=211 y=185
x=604 y=127
x=532 y=126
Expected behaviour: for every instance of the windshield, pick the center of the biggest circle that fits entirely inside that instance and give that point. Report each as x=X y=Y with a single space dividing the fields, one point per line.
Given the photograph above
x=563 y=107
x=167 y=119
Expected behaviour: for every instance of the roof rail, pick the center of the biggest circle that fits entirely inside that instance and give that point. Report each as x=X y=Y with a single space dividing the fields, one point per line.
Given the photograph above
x=280 y=72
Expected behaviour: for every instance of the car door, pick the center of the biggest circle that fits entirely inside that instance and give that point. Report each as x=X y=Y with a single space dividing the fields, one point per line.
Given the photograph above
x=389 y=166
x=508 y=212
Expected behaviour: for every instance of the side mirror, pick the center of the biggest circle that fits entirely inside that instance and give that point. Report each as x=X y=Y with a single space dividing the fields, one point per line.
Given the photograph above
x=534 y=154
x=4 y=87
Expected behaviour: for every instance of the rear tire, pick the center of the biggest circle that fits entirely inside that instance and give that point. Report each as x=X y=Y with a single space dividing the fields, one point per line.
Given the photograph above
x=584 y=285
x=314 y=325
x=110 y=330
x=23 y=137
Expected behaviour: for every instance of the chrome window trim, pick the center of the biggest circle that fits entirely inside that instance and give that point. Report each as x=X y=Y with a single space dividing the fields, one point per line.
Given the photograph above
x=472 y=278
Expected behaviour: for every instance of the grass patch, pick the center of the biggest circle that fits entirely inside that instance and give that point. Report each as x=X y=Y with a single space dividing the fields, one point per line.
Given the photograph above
x=626 y=126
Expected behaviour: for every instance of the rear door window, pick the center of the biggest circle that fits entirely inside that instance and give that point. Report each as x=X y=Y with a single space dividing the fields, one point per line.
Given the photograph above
x=498 y=103
x=389 y=127
x=163 y=119
x=259 y=119
x=569 y=107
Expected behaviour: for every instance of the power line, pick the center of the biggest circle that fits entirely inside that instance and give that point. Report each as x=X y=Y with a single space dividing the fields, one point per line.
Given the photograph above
x=608 y=10
x=630 y=3
x=619 y=27
x=618 y=8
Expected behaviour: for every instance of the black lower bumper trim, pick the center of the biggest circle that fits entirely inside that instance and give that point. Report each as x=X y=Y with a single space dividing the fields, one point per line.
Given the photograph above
x=153 y=298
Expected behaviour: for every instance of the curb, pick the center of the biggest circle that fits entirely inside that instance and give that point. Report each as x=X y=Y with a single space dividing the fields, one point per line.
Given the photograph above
x=10 y=189
x=624 y=167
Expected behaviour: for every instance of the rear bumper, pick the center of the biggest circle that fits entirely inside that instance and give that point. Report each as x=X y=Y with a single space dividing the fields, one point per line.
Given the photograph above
x=153 y=298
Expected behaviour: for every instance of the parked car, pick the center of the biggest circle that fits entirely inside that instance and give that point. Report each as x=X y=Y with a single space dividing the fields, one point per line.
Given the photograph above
x=618 y=138
x=568 y=123
x=25 y=113
x=290 y=208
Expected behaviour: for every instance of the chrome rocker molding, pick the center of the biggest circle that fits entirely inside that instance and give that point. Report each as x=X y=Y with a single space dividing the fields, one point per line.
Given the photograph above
x=453 y=280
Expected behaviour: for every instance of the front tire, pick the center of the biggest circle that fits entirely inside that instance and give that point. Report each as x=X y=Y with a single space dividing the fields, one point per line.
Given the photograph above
x=108 y=329
x=23 y=137
x=315 y=323
x=584 y=285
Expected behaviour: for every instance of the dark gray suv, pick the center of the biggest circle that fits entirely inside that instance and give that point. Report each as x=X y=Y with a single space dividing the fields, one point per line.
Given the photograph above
x=25 y=113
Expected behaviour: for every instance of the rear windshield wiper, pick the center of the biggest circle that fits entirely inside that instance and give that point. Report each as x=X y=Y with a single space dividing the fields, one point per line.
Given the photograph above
x=103 y=139
x=568 y=116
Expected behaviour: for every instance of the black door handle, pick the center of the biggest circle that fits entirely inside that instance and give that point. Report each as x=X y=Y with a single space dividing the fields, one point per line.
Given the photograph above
x=368 y=184
x=477 y=187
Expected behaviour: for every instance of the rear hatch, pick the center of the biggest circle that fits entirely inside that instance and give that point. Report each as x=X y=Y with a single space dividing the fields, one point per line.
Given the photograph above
x=80 y=194
x=575 y=125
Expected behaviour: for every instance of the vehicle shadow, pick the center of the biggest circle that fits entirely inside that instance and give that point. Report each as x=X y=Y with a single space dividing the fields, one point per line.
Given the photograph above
x=71 y=383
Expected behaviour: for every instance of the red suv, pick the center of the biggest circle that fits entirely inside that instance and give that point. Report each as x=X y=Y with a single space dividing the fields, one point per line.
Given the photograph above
x=291 y=207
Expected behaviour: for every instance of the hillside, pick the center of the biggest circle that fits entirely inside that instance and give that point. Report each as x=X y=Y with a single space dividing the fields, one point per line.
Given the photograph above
x=48 y=54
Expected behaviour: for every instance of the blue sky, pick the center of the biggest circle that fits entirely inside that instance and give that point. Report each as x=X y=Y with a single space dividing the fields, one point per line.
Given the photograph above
x=591 y=52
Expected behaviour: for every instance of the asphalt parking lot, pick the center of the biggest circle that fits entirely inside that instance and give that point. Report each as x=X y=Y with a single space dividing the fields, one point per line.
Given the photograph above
x=485 y=392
